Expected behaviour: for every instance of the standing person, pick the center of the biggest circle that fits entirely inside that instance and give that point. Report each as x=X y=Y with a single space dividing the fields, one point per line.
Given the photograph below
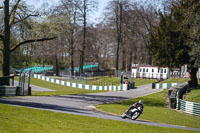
x=127 y=83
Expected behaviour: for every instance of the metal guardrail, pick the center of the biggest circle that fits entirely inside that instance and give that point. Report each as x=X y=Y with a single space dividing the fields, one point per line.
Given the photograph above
x=122 y=87
x=163 y=85
x=188 y=107
x=9 y=91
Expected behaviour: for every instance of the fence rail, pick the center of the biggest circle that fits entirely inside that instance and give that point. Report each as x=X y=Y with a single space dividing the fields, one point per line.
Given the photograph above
x=122 y=87
x=163 y=85
x=188 y=107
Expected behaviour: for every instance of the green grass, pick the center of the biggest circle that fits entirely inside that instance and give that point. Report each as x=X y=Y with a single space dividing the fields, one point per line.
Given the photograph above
x=116 y=81
x=64 y=90
x=107 y=80
x=22 y=120
x=155 y=110
x=193 y=96
x=139 y=82
x=100 y=80
x=60 y=89
x=176 y=80
x=104 y=81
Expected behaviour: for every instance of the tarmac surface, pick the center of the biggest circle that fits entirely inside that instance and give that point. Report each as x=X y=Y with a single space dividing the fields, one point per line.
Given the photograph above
x=84 y=104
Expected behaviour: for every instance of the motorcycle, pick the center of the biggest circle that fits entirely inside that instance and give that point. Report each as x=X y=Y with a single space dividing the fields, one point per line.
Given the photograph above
x=133 y=112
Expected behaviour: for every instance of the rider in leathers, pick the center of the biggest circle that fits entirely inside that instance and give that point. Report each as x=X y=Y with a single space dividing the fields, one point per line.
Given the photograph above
x=137 y=105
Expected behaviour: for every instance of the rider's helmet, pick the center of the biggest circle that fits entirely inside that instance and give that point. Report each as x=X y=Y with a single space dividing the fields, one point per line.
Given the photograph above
x=140 y=102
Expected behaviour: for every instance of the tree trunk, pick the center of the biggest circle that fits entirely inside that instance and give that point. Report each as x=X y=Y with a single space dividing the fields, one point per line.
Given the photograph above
x=119 y=31
x=6 y=41
x=72 y=62
x=130 y=62
x=193 y=77
x=150 y=58
x=82 y=55
x=57 y=66
x=123 y=59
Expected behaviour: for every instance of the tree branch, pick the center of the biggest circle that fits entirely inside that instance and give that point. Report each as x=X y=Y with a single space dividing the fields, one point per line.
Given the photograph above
x=13 y=11
x=30 y=41
x=30 y=15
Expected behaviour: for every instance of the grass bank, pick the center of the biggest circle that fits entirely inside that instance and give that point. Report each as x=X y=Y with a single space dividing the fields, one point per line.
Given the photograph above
x=193 y=96
x=105 y=80
x=64 y=90
x=155 y=109
x=23 y=120
x=59 y=89
x=176 y=80
x=139 y=82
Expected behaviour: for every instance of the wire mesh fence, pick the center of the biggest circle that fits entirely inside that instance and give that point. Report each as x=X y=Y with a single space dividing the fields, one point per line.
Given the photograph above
x=24 y=83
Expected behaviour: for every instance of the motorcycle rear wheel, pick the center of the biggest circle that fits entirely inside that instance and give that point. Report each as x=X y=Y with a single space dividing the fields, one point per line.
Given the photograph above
x=135 y=115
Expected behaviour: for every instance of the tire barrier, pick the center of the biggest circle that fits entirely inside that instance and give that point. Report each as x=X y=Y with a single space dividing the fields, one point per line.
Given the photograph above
x=122 y=87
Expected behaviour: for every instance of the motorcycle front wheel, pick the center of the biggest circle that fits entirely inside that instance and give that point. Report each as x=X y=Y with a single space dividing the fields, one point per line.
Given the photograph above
x=124 y=115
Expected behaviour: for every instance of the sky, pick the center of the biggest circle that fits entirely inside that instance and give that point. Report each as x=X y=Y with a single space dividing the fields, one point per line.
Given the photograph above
x=94 y=17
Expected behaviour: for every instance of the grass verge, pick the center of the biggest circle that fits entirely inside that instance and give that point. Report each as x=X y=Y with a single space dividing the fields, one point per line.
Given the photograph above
x=64 y=90
x=193 y=96
x=23 y=120
x=60 y=89
x=176 y=80
x=155 y=110
x=139 y=82
x=106 y=80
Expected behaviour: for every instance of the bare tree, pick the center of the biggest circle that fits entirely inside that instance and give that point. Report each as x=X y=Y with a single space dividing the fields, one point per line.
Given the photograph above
x=10 y=20
x=70 y=9
x=148 y=18
x=88 y=5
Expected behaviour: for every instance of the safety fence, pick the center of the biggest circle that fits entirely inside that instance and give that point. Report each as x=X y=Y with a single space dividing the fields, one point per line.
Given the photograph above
x=9 y=91
x=163 y=85
x=188 y=107
x=122 y=87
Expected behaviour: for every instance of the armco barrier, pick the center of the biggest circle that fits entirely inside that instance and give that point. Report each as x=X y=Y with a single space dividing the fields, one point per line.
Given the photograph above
x=163 y=85
x=9 y=91
x=188 y=107
x=82 y=86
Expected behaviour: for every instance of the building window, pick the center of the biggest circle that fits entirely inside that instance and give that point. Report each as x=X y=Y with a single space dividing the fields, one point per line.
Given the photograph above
x=161 y=71
x=140 y=70
x=165 y=71
x=152 y=70
x=147 y=70
x=143 y=69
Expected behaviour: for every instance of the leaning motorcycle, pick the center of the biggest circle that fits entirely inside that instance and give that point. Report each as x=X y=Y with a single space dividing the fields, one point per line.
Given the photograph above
x=133 y=112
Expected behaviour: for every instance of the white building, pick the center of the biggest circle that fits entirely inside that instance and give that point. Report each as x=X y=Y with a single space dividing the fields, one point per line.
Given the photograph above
x=150 y=72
